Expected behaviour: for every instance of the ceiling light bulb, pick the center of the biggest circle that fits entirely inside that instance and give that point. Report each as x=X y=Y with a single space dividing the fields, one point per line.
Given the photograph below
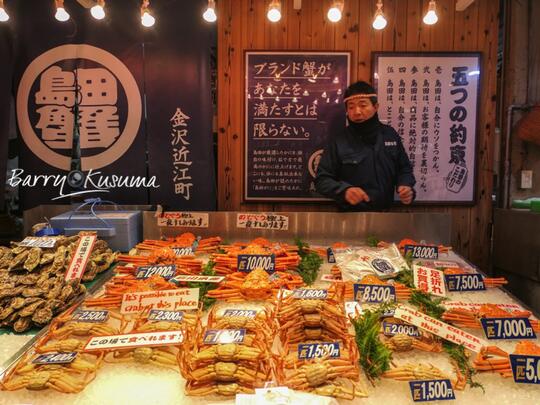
x=431 y=16
x=274 y=11
x=61 y=14
x=210 y=14
x=3 y=15
x=98 y=12
x=334 y=14
x=147 y=20
x=379 y=22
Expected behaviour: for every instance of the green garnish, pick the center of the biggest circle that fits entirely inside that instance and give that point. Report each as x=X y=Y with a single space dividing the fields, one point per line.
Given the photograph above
x=310 y=263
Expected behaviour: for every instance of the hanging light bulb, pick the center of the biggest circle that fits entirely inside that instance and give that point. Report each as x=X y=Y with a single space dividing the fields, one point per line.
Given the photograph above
x=210 y=13
x=274 y=11
x=61 y=13
x=334 y=13
x=146 y=18
x=3 y=15
x=431 y=16
x=379 y=22
x=98 y=11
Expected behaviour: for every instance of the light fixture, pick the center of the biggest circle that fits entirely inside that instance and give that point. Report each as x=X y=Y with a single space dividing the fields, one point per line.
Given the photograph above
x=379 y=22
x=210 y=13
x=431 y=16
x=61 y=13
x=3 y=15
x=334 y=13
x=274 y=11
x=98 y=11
x=146 y=18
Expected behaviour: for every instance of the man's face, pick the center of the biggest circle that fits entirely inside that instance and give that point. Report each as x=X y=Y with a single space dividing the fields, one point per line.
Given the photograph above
x=361 y=109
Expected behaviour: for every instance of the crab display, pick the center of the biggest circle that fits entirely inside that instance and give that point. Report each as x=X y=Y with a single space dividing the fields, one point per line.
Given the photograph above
x=403 y=293
x=230 y=389
x=489 y=282
x=494 y=359
x=421 y=371
x=158 y=356
x=470 y=318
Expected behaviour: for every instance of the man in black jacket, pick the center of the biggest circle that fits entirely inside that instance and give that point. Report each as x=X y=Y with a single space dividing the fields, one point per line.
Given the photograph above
x=361 y=167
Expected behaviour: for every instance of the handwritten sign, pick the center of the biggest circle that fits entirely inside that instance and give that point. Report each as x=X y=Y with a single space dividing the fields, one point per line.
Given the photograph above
x=262 y=221
x=222 y=336
x=166 y=271
x=182 y=298
x=40 y=242
x=508 y=328
x=429 y=280
x=166 y=338
x=432 y=102
x=197 y=279
x=431 y=390
x=317 y=350
x=55 y=358
x=183 y=219
x=90 y=316
x=439 y=328
x=80 y=258
x=293 y=102
x=249 y=263
x=525 y=368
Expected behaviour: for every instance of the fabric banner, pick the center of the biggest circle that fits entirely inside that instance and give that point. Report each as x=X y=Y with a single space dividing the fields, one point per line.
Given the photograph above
x=83 y=90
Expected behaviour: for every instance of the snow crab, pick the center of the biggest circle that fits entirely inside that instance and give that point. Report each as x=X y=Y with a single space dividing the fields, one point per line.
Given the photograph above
x=485 y=361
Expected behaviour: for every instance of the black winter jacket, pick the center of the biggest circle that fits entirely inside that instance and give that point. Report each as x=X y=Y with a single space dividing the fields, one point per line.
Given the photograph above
x=349 y=161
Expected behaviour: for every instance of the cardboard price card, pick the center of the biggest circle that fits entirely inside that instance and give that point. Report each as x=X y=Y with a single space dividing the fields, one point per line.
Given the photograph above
x=40 y=242
x=169 y=316
x=198 y=279
x=465 y=282
x=240 y=313
x=310 y=294
x=422 y=251
x=249 y=263
x=331 y=258
x=222 y=336
x=374 y=293
x=165 y=271
x=262 y=221
x=429 y=280
x=183 y=251
x=508 y=328
x=392 y=329
x=317 y=350
x=183 y=219
x=525 y=368
x=90 y=316
x=173 y=300
x=431 y=390
x=55 y=358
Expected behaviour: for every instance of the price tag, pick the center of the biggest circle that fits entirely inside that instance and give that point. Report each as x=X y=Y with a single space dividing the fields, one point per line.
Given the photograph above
x=330 y=255
x=431 y=390
x=422 y=251
x=90 y=316
x=221 y=336
x=465 y=282
x=316 y=350
x=243 y=313
x=392 y=329
x=171 y=316
x=526 y=368
x=184 y=251
x=199 y=279
x=55 y=358
x=310 y=294
x=508 y=328
x=40 y=242
x=374 y=293
x=165 y=271
x=249 y=263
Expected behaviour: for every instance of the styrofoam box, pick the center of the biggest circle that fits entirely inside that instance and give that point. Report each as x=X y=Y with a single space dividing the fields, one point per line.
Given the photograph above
x=123 y=232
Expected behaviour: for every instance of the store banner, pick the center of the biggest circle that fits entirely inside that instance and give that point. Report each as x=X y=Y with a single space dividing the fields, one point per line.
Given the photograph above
x=293 y=105
x=82 y=114
x=431 y=100
x=6 y=72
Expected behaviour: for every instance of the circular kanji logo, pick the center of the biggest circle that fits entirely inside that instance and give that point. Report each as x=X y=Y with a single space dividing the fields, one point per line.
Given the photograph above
x=78 y=94
x=313 y=162
x=382 y=266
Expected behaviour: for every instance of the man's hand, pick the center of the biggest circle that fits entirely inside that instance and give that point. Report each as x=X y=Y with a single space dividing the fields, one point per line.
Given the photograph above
x=355 y=195
x=405 y=194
